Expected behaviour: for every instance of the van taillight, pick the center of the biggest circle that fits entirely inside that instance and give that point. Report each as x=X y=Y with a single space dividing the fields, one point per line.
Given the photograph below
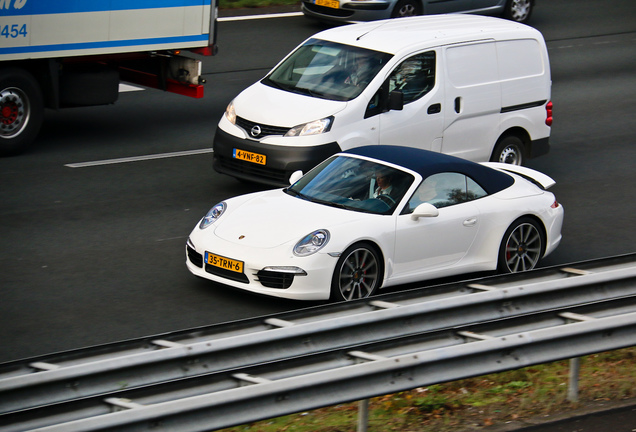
x=555 y=204
x=548 y=113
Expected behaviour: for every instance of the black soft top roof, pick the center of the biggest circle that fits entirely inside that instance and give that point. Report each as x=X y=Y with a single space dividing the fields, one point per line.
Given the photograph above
x=427 y=163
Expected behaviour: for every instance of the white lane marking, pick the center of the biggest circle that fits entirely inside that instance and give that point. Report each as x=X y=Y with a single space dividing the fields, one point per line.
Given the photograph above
x=138 y=158
x=253 y=17
x=128 y=88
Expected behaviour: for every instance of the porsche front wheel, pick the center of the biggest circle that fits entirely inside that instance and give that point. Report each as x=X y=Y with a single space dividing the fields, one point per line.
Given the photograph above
x=521 y=247
x=358 y=273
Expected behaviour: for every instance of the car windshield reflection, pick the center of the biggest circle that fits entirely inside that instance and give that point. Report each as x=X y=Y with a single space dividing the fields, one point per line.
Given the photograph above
x=327 y=70
x=354 y=184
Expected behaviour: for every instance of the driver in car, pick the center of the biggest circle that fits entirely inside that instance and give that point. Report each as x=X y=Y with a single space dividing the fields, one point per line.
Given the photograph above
x=384 y=184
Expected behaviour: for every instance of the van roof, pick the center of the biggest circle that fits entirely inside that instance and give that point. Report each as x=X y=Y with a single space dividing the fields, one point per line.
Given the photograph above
x=393 y=35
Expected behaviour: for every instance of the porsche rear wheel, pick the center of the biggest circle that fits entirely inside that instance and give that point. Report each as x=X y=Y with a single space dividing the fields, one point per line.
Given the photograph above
x=522 y=246
x=358 y=273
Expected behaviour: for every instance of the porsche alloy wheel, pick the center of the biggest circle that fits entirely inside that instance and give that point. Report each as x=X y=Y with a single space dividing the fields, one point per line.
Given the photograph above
x=522 y=247
x=358 y=274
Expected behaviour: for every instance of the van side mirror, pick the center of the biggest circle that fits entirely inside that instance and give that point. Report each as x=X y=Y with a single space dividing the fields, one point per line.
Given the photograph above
x=424 y=210
x=296 y=175
x=396 y=100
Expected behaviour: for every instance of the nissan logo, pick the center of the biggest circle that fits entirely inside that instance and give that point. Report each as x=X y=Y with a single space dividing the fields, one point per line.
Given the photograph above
x=256 y=131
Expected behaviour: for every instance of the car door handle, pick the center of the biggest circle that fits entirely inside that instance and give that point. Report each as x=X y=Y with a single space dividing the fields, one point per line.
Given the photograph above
x=434 y=109
x=470 y=222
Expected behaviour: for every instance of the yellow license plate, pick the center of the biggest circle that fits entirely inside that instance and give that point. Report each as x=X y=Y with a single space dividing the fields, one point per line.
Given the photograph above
x=249 y=156
x=223 y=262
x=335 y=4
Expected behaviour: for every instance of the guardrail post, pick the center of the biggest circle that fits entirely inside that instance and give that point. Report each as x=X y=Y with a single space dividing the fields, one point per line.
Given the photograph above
x=363 y=415
x=573 y=385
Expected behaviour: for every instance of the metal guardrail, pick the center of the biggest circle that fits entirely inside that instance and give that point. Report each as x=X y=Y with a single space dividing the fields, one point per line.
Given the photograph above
x=86 y=385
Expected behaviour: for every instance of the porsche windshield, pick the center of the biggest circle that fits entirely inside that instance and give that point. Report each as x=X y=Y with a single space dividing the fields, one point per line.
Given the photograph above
x=327 y=70
x=354 y=184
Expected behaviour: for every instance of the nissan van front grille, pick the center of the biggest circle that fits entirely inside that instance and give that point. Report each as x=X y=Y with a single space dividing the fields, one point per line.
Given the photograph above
x=256 y=130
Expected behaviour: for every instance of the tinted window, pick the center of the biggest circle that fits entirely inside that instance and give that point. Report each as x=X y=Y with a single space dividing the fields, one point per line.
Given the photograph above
x=327 y=70
x=354 y=184
x=415 y=76
x=444 y=190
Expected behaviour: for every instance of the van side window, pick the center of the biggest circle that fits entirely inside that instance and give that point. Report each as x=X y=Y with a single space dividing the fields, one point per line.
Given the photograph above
x=445 y=189
x=415 y=76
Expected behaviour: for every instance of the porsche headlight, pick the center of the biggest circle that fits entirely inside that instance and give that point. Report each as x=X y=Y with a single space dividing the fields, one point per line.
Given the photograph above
x=311 y=243
x=214 y=213
x=312 y=128
x=230 y=114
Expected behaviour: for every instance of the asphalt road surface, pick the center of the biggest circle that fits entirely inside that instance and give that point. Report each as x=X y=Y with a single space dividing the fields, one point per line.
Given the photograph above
x=94 y=253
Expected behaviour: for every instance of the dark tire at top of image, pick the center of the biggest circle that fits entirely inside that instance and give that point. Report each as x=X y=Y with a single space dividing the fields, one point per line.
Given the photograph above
x=518 y=10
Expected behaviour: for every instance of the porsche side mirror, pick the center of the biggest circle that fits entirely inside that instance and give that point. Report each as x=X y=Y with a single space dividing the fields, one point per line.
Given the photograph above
x=424 y=210
x=296 y=175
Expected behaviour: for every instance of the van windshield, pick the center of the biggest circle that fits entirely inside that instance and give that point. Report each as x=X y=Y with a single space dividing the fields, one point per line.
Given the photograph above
x=327 y=70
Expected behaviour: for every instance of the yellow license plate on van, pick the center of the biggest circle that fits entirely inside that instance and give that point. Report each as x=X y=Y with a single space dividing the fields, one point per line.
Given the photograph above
x=249 y=156
x=334 y=4
x=223 y=262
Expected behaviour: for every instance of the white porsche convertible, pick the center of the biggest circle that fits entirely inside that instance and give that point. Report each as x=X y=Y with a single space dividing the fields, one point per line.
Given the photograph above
x=378 y=216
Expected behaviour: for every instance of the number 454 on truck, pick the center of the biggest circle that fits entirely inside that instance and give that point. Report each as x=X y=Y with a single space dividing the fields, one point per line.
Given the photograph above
x=70 y=53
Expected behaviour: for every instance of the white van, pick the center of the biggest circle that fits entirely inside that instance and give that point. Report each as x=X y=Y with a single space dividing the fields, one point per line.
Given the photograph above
x=471 y=86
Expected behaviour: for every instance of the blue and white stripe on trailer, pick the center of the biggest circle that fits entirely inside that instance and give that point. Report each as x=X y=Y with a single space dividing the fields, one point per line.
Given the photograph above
x=187 y=25
x=141 y=44
x=44 y=7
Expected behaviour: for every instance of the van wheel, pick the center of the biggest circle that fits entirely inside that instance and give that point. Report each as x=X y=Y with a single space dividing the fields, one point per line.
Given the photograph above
x=518 y=10
x=358 y=273
x=405 y=8
x=21 y=110
x=509 y=149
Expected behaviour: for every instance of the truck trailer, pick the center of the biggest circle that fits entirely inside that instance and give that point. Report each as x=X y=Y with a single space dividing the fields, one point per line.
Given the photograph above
x=71 y=53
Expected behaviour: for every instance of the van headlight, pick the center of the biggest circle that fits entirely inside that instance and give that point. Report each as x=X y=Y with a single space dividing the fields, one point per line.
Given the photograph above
x=311 y=243
x=230 y=114
x=312 y=128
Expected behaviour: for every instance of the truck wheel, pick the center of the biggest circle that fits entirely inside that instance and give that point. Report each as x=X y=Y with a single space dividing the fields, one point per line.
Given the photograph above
x=21 y=110
x=509 y=149
x=406 y=8
x=518 y=10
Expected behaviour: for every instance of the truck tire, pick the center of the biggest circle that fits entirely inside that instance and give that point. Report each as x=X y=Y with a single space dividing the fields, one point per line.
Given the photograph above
x=21 y=110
